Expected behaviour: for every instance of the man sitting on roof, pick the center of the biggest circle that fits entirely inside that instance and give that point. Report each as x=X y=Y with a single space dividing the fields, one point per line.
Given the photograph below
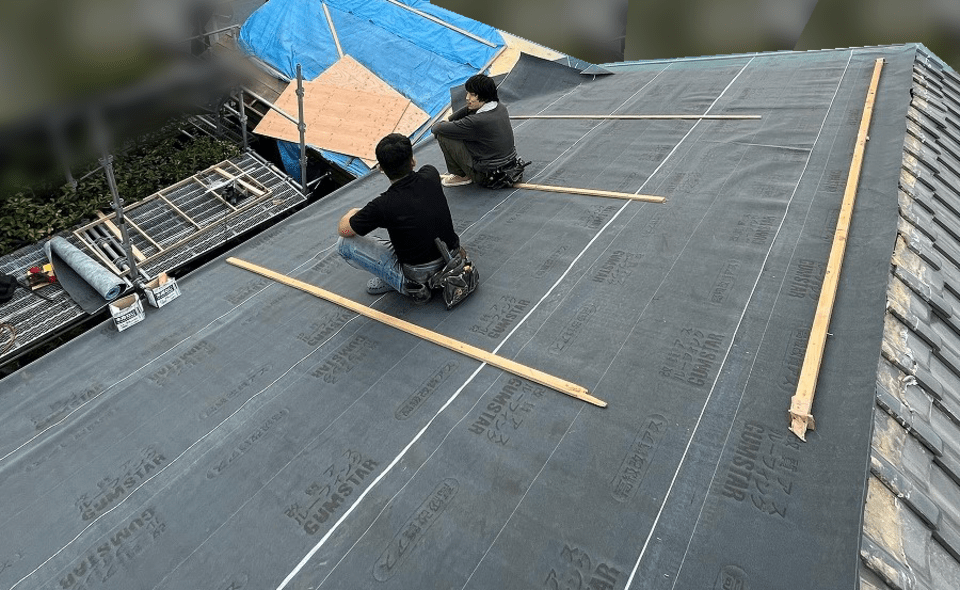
x=414 y=212
x=477 y=140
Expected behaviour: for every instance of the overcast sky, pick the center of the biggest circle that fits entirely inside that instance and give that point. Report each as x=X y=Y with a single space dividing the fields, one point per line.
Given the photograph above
x=55 y=52
x=610 y=30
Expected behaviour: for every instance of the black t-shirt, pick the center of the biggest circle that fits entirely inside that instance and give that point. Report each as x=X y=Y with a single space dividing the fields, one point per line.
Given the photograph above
x=414 y=211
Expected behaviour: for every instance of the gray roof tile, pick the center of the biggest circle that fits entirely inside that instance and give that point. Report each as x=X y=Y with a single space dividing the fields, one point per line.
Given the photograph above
x=916 y=446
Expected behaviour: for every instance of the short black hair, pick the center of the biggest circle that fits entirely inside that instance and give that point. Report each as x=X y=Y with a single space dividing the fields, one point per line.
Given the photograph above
x=483 y=86
x=395 y=155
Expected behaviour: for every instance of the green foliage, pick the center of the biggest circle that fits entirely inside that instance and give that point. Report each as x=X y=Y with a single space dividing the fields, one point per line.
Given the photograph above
x=147 y=166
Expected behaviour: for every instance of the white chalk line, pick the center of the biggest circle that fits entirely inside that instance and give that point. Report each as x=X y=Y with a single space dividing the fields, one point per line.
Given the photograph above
x=769 y=316
x=456 y=394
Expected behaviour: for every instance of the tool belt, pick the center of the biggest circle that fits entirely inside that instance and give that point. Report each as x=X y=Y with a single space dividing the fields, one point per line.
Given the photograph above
x=502 y=173
x=416 y=277
x=456 y=278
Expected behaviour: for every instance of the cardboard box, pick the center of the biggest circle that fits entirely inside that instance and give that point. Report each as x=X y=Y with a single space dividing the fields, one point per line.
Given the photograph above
x=127 y=311
x=161 y=290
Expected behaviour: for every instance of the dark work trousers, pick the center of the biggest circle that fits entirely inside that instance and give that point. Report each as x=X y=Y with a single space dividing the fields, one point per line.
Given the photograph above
x=458 y=158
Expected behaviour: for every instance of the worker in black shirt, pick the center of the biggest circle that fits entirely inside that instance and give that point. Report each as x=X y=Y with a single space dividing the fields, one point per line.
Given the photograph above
x=414 y=212
x=478 y=138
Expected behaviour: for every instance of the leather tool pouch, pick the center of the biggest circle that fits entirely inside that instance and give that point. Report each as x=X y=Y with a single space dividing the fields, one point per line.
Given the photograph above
x=458 y=277
x=502 y=173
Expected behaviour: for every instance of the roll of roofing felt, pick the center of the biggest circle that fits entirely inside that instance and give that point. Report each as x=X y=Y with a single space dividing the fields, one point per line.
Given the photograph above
x=77 y=273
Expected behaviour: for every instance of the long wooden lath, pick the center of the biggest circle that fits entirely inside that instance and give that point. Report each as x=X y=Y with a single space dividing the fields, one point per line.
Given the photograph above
x=637 y=117
x=535 y=375
x=802 y=402
x=590 y=192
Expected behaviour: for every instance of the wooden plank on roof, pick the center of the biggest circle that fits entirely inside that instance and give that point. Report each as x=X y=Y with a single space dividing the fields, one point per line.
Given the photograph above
x=535 y=375
x=801 y=403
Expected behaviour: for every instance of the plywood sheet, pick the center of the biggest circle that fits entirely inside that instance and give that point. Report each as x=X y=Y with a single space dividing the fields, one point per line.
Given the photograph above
x=349 y=73
x=347 y=109
x=516 y=46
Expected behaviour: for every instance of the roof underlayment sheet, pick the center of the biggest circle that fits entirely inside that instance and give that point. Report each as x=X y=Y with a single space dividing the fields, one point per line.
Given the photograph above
x=418 y=56
x=249 y=434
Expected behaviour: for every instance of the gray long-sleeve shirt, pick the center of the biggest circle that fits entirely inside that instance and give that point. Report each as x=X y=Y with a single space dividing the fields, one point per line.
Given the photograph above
x=487 y=135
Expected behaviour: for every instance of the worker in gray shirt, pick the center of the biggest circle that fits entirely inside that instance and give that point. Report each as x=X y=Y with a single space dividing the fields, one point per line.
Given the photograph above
x=477 y=140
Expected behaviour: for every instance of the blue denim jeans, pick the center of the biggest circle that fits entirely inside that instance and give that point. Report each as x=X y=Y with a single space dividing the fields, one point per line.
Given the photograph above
x=374 y=255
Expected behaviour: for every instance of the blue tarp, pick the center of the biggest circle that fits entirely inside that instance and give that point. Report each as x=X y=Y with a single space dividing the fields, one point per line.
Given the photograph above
x=420 y=58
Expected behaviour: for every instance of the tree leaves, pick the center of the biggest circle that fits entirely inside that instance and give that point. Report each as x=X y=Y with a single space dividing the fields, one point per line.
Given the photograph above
x=149 y=165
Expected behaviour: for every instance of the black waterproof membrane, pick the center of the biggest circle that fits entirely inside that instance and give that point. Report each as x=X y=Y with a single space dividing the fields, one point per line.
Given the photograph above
x=250 y=435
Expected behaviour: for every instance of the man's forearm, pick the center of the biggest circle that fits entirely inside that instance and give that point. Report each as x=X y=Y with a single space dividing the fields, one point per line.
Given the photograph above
x=343 y=227
x=461 y=113
x=459 y=130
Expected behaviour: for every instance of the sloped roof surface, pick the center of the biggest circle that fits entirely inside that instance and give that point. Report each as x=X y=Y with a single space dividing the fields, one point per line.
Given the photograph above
x=249 y=434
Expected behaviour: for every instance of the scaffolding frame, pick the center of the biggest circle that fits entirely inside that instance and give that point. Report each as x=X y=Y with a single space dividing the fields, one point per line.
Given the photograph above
x=100 y=236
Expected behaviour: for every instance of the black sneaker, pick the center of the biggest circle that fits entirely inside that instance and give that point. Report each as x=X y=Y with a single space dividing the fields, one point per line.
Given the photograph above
x=420 y=294
x=376 y=286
